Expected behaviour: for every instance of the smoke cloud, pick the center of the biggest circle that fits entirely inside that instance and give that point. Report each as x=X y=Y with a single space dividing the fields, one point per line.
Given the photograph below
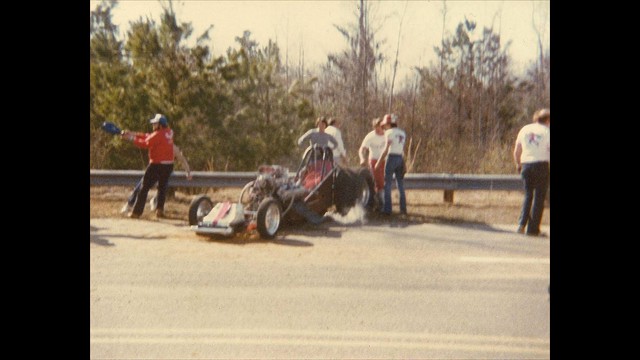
x=356 y=215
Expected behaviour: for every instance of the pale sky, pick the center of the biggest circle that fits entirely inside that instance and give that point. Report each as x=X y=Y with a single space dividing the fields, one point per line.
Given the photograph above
x=310 y=23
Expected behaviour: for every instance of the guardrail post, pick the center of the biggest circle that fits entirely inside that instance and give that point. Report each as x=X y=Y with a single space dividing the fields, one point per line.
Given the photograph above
x=448 y=196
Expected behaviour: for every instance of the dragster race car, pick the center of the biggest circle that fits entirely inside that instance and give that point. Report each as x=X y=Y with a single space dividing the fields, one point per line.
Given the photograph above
x=276 y=197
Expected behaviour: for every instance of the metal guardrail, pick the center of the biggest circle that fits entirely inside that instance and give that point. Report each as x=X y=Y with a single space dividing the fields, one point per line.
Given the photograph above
x=447 y=182
x=177 y=179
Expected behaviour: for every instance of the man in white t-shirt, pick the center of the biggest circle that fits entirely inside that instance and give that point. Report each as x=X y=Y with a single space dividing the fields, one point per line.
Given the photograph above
x=532 y=154
x=395 y=139
x=333 y=129
x=374 y=143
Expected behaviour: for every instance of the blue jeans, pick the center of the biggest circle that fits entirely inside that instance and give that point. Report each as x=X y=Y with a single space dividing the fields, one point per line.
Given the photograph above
x=159 y=173
x=535 y=177
x=394 y=166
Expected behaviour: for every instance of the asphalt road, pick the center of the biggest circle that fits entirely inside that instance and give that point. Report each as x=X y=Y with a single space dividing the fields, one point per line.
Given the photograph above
x=377 y=289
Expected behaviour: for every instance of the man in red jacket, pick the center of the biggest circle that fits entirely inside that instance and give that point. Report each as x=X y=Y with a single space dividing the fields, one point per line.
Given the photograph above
x=160 y=145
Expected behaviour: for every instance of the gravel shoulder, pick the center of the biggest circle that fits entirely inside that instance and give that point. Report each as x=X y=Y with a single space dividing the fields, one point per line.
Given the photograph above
x=424 y=206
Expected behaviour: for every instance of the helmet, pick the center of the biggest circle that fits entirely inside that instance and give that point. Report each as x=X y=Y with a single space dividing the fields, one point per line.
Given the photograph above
x=159 y=118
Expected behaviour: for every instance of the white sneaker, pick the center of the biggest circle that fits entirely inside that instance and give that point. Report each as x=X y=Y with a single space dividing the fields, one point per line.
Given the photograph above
x=126 y=208
x=153 y=203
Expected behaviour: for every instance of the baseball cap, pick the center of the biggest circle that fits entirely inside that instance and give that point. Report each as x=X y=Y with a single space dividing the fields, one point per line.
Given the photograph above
x=159 y=118
x=389 y=119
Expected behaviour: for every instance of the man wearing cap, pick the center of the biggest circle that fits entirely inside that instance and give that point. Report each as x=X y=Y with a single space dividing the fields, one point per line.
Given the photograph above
x=394 y=149
x=160 y=145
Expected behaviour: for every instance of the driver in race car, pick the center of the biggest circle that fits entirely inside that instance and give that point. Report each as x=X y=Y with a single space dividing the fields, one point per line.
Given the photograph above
x=318 y=135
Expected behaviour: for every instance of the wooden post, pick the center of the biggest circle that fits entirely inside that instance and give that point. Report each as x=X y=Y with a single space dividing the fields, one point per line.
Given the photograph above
x=448 y=196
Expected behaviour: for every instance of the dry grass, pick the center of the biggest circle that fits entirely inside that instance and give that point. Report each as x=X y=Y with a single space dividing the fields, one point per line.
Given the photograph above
x=487 y=207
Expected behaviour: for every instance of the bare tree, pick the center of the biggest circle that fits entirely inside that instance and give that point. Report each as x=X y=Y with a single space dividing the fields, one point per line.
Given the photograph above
x=349 y=76
x=539 y=27
x=441 y=57
x=395 y=63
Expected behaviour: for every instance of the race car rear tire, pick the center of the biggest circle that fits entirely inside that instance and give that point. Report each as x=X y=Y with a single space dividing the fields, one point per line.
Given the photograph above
x=269 y=218
x=367 y=189
x=200 y=206
x=346 y=192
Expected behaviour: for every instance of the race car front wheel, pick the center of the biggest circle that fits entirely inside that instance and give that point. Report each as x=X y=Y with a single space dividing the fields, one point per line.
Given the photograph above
x=269 y=216
x=200 y=206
